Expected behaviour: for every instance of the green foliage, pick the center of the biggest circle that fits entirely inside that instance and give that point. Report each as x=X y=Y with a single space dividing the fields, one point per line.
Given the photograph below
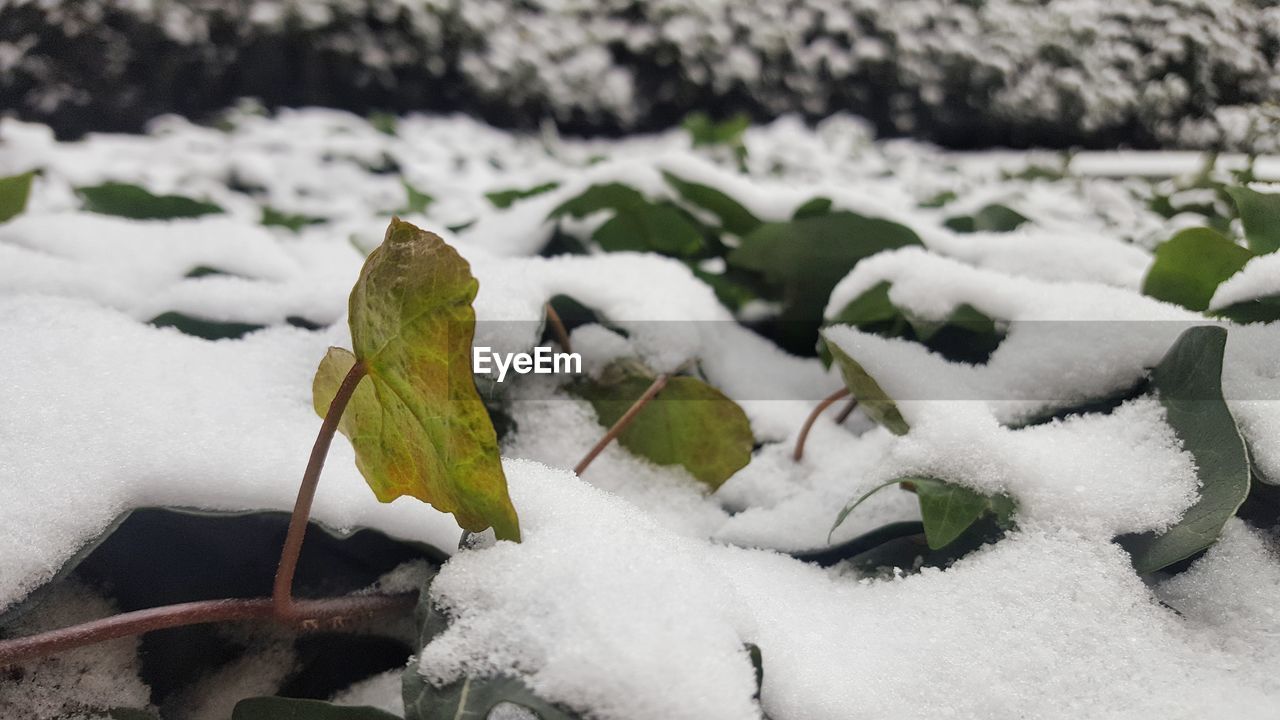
x=1189 y=267
x=1258 y=310
x=1188 y=382
x=416 y=201
x=136 y=203
x=706 y=131
x=966 y=335
x=873 y=400
x=689 y=423
x=14 y=192
x=733 y=216
x=946 y=509
x=416 y=422
x=1260 y=216
x=637 y=224
x=201 y=327
x=991 y=218
x=275 y=218
x=504 y=199
x=804 y=259
x=812 y=208
x=280 y=708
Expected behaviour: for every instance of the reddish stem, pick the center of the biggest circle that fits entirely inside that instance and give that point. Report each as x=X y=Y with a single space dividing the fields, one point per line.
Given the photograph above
x=622 y=423
x=558 y=328
x=827 y=402
x=282 y=591
x=847 y=411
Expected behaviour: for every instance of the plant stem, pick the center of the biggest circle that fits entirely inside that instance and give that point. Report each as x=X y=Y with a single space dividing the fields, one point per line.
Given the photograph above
x=309 y=614
x=558 y=329
x=827 y=402
x=282 y=591
x=848 y=410
x=622 y=423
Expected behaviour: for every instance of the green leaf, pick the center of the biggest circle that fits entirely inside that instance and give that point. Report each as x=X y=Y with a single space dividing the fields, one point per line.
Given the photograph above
x=610 y=196
x=274 y=218
x=812 y=208
x=689 y=423
x=416 y=421
x=948 y=510
x=280 y=708
x=1264 y=309
x=991 y=218
x=1260 y=215
x=1188 y=382
x=733 y=216
x=940 y=199
x=1189 y=267
x=207 y=329
x=14 y=191
x=637 y=224
x=131 y=201
x=416 y=201
x=806 y=258
x=706 y=131
x=504 y=199
x=873 y=400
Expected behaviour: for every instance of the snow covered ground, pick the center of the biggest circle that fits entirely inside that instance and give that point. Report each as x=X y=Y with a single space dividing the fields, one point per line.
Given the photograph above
x=635 y=591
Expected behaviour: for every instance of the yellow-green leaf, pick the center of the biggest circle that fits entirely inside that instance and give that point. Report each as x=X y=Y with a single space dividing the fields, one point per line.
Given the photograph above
x=14 y=191
x=689 y=423
x=1191 y=265
x=416 y=422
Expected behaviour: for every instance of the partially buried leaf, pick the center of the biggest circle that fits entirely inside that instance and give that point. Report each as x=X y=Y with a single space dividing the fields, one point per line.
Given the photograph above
x=637 y=224
x=733 y=216
x=689 y=423
x=295 y=222
x=1263 y=309
x=812 y=208
x=1189 y=267
x=204 y=328
x=1188 y=382
x=14 y=191
x=991 y=218
x=416 y=422
x=131 y=201
x=965 y=335
x=1260 y=216
x=873 y=400
x=504 y=199
x=281 y=708
x=947 y=510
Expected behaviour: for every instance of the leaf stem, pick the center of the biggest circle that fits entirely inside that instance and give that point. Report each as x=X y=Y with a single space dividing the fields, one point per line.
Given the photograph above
x=329 y=613
x=847 y=411
x=558 y=328
x=282 y=591
x=622 y=423
x=827 y=402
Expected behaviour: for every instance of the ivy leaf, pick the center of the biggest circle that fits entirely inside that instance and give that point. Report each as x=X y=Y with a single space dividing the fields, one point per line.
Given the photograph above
x=204 y=328
x=806 y=258
x=947 y=510
x=1188 y=382
x=281 y=708
x=503 y=199
x=991 y=218
x=733 y=216
x=416 y=201
x=689 y=423
x=637 y=224
x=966 y=335
x=14 y=192
x=275 y=218
x=1189 y=267
x=416 y=422
x=1263 y=309
x=1260 y=215
x=873 y=400
x=706 y=131
x=133 y=202
x=812 y=208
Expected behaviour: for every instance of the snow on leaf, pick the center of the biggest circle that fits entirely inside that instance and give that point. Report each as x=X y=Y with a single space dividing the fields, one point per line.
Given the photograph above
x=1260 y=215
x=873 y=400
x=418 y=425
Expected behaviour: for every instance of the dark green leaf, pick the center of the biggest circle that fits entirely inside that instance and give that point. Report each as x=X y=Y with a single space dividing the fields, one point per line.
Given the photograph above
x=939 y=200
x=948 y=510
x=279 y=708
x=1260 y=215
x=131 y=201
x=14 y=191
x=1265 y=309
x=991 y=218
x=504 y=199
x=200 y=327
x=1189 y=267
x=872 y=399
x=272 y=217
x=689 y=423
x=659 y=227
x=610 y=196
x=812 y=208
x=733 y=216
x=1188 y=382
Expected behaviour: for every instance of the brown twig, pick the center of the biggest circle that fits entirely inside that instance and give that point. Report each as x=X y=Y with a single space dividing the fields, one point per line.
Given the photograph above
x=282 y=590
x=558 y=328
x=307 y=614
x=622 y=423
x=847 y=411
x=827 y=402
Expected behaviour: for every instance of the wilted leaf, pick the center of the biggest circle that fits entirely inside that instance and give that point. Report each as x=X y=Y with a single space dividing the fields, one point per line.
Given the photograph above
x=689 y=423
x=1189 y=267
x=1260 y=215
x=14 y=191
x=504 y=199
x=872 y=399
x=733 y=216
x=416 y=422
x=131 y=201
x=1188 y=382
x=281 y=708
x=991 y=218
x=806 y=258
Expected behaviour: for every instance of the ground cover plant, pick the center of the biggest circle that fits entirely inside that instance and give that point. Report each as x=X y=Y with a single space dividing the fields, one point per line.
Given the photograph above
x=852 y=414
